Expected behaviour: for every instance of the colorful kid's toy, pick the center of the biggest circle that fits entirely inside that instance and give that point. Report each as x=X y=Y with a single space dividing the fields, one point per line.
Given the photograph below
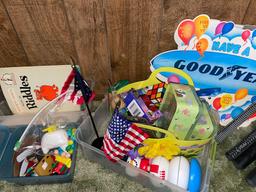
x=195 y=175
x=138 y=108
x=160 y=167
x=54 y=139
x=179 y=172
x=180 y=108
x=138 y=162
x=44 y=167
x=206 y=124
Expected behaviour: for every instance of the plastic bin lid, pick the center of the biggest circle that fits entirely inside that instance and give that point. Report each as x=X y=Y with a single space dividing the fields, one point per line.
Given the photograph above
x=4 y=138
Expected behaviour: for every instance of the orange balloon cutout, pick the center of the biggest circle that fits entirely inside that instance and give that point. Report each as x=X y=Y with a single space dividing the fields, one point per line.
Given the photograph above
x=241 y=93
x=201 y=46
x=186 y=30
x=201 y=25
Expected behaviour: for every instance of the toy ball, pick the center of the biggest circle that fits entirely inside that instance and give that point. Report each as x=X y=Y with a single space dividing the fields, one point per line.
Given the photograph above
x=173 y=79
x=179 y=172
x=160 y=167
x=236 y=112
x=195 y=174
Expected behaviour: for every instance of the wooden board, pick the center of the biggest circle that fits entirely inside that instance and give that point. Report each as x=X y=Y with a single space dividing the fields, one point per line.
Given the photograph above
x=110 y=39
x=86 y=19
x=133 y=33
x=43 y=30
x=11 y=50
x=177 y=10
x=250 y=14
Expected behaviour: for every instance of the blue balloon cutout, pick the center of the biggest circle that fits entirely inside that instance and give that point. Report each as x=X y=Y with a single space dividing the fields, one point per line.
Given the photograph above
x=223 y=117
x=253 y=99
x=253 y=33
x=253 y=42
x=227 y=28
x=236 y=112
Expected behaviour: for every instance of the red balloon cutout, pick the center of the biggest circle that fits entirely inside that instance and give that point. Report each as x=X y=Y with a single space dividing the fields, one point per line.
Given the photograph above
x=246 y=34
x=186 y=30
x=216 y=103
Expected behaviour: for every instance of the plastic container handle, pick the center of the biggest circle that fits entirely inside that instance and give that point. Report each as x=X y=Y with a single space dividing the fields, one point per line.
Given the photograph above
x=172 y=137
x=154 y=80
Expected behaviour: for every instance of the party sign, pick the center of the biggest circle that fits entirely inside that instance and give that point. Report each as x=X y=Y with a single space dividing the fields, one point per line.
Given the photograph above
x=221 y=59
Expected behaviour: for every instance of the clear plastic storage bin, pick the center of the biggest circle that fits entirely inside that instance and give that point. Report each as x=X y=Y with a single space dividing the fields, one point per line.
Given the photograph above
x=11 y=128
x=85 y=136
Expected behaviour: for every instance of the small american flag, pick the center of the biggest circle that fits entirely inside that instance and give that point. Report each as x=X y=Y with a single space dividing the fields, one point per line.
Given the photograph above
x=120 y=137
x=73 y=82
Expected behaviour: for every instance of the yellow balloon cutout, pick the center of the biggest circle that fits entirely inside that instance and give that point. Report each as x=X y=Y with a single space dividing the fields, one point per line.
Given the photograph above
x=201 y=25
x=241 y=93
x=226 y=100
x=201 y=46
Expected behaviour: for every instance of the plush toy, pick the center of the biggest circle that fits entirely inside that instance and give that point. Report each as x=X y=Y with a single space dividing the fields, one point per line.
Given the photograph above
x=159 y=147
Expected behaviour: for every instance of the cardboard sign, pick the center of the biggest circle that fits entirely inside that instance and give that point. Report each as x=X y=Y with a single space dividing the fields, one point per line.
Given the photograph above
x=27 y=89
x=221 y=59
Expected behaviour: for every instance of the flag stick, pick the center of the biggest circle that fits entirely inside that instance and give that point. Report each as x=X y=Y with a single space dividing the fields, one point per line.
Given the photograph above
x=80 y=80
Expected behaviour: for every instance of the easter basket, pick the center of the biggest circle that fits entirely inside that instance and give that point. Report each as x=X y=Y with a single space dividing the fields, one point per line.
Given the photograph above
x=167 y=139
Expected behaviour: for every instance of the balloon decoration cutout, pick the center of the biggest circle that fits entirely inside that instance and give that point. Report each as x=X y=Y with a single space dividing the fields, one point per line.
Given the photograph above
x=228 y=116
x=241 y=93
x=201 y=25
x=223 y=117
x=201 y=46
x=216 y=103
x=219 y=28
x=253 y=99
x=236 y=112
x=186 y=30
x=253 y=42
x=227 y=27
x=173 y=79
x=254 y=34
x=226 y=100
x=245 y=35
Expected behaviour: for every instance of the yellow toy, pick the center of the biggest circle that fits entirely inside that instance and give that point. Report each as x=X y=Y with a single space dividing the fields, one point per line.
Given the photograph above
x=159 y=147
x=51 y=128
x=64 y=160
x=168 y=146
